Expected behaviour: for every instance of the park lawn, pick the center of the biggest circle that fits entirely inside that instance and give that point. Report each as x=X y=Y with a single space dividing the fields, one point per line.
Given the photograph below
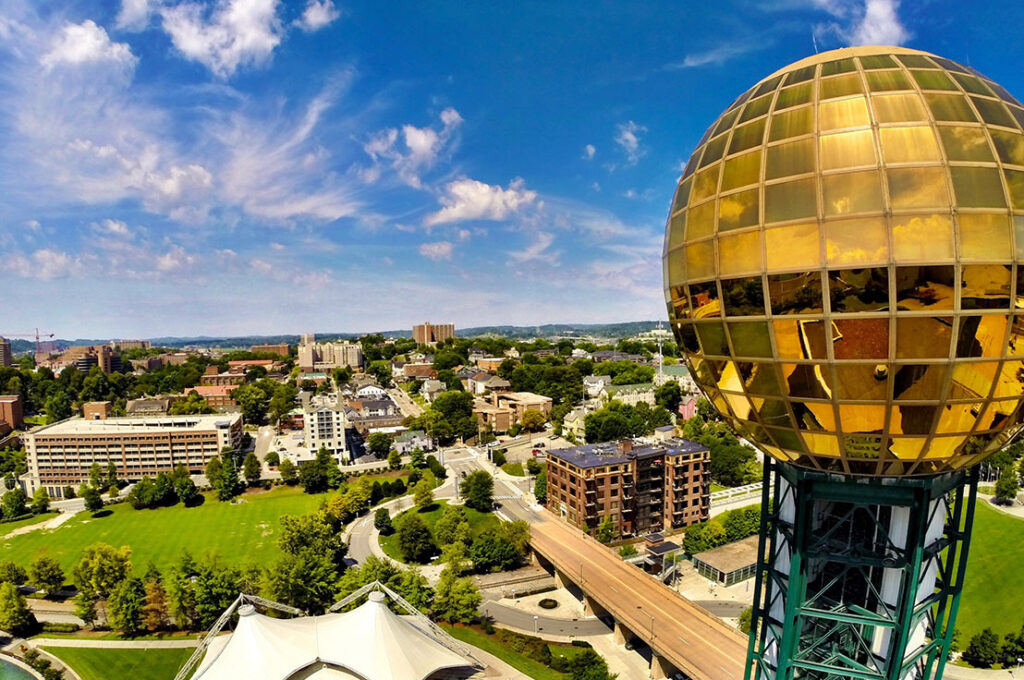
x=489 y=644
x=991 y=598
x=717 y=487
x=8 y=527
x=514 y=469
x=137 y=664
x=479 y=522
x=241 y=533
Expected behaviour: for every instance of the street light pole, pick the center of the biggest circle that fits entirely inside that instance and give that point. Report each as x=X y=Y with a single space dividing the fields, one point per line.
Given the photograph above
x=535 y=617
x=652 y=620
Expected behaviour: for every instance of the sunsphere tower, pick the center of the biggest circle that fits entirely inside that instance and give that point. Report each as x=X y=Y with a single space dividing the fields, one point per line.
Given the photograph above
x=844 y=270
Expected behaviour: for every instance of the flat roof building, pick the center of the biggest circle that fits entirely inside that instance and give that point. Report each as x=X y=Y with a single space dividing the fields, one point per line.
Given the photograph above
x=280 y=349
x=730 y=563
x=6 y=357
x=430 y=334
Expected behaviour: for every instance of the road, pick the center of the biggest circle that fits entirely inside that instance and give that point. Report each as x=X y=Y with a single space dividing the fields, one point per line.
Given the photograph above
x=264 y=440
x=524 y=620
x=406 y=405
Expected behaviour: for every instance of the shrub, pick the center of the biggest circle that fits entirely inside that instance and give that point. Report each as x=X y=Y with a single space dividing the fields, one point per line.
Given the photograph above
x=527 y=645
x=581 y=643
x=627 y=551
x=61 y=627
x=548 y=603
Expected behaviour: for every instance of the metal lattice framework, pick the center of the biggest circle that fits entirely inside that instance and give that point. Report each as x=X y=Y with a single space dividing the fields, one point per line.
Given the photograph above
x=858 y=580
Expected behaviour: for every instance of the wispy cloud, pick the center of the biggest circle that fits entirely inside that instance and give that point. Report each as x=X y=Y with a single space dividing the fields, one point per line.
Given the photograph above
x=537 y=250
x=588 y=152
x=438 y=250
x=627 y=136
x=318 y=13
x=716 y=55
x=469 y=199
x=414 y=150
x=863 y=22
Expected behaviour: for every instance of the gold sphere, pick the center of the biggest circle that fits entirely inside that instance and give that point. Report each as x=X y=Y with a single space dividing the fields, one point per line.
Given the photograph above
x=842 y=263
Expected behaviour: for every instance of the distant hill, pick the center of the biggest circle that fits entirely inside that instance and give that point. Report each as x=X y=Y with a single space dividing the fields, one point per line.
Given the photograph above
x=601 y=330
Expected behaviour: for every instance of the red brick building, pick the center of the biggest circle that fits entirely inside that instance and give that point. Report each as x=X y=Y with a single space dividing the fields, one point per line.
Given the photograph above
x=12 y=413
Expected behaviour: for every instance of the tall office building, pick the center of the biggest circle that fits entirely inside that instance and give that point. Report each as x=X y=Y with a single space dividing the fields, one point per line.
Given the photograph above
x=429 y=334
x=6 y=358
x=323 y=356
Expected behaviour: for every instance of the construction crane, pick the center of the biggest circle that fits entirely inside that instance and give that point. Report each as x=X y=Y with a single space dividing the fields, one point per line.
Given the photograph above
x=37 y=335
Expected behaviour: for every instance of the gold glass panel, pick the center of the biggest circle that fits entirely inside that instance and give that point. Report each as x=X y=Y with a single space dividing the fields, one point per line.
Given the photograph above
x=981 y=336
x=965 y=144
x=1018 y=237
x=915 y=188
x=925 y=288
x=934 y=80
x=713 y=150
x=742 y=170
x=747 y=136
x=726 y=121
x=712 y=338
x=918 y=382
x=985 y=286
x=861 y=418
x=703 y=298
x=922 y=238
x=853 y=192
x=1015 y=185
x=992 y=112
x=793 y=96
x=761 y=378
x=847 y=150
x=978 y=187
x=755 y=108
x=843 y=113
x=876 y=61
x=1009 y=146
x=700 y=221
x=915 y=61
x=743 y=297
x=790 y=201
x=739 y=253
x=898 y=108
x=857 y=242
x=909 y=144
x=950 y=107
x=676 y=267
x=1010 y=380
x=795 y=339
x=700 y=259
x=739 y=210
x=795 y=293
x=705 y=183
x=682 y=197
x=822 y=444
x=973 y=379
x=751 y=338
x=912 y=418
x=958 y=417
x=884 y=81
x=801 y=74
x=676 y=231
x=972 y=84
x=858 y=290
x=797 y=245
x=859 y=338
x=792 y=123
x=984 y=236
x=807 y=381
x=839 y=86
x=791 y=158
x=923 y=337
x=831 y=68
x=907 y=448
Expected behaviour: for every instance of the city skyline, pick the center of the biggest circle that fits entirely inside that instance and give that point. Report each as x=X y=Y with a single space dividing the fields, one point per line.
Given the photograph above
x=260 y=168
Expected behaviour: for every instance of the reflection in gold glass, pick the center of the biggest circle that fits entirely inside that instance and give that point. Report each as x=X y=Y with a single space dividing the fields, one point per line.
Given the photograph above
x=984 y=236
x=916 y=188
x=862 y=418
x=742 y=170
x=925 y=288
x=875 y=61
x=726 y=121
x=1009 y=146
x=958 y=417
x=793 y=96
x=985 y=286
x=713 y=150
x=790 y=201
x=703 y=299
x=700 y=221
x=700 y=259
x=739 y=210
x=676 y=267
x=950 y=107
x=992 y=112
x=743 y=297
x=1015 y=185
x=712 y=339
x=857 y=242
x=933 y=80
x=747 y=136
x=831 y=68
x=907 y=448
x=909 y=144
x=739 y=253
x=840 y=86
x=755 y=108
x=971 y=84
x=843 y=113
x=898 y=108
x=923 y=337
x=883 y=81
x=918 y=382
x=795 y=293
x=791 y=158
x=973 y=379
x=853 y=291
x=965 y=144
x=789 y=339
x=981 y=336
x=792 y=123
x=847 y=149
x=860 y=338
x=797 y=245
x=823 y=444
x=750 y=338
x=676 y=230
x=978 y=187
x=705 y=183
x=853 y=192
x=1010 y=381
x=682 y=196
x=922 y=238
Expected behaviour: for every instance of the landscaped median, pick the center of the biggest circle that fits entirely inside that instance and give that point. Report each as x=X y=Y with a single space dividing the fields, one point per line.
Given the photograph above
x=479 y=522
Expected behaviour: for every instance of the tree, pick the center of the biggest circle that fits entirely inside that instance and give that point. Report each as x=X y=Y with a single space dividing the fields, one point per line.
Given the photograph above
x=478 y=490
x=381 y=370
x=101 y=569
x=15 y=616
x=498 y=457
x=186 y=491
x=154 y=613
x=382 y=521
x=379 y=443
x=272 y=459
x=493 y=552
x=1007 y=485
x=85 y=608
x=13 y=503
x=251 y=469
x=252 y=401
x=394 y=460
x=287 y=470
x=533 y=420
x=213 y=470
x=307 y=580
x=607 y=530
x=93 y=499
x=181 y=599
x=589 y=665
x=627 y=551
x=127 y=605
x=45 y=574
x=227 y=484
x=447 y=527
x=540 y=487
x=456 y=599
x=40 y=501
x=312 y=532
x=983 y=649
x=669 y=396
x=216 y=587
x=12 y=573
x=423 y=494
x=112 y=475
x=533 y=467
x=417 y=459
x=745 y=620
x=414 y=541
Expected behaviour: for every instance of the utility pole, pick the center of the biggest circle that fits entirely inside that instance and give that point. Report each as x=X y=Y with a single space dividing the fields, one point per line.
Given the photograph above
x=661 y=359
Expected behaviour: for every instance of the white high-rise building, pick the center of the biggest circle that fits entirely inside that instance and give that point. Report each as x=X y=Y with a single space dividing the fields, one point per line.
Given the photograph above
x=323 y=356
x=324 y=424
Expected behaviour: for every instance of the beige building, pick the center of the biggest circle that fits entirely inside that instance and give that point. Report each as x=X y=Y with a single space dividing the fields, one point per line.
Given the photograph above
x=324 y=356
x=630 y=395
x=503 y=409
x=324 y=424
x=430 y=334
x=61 y=454
x=280 y=349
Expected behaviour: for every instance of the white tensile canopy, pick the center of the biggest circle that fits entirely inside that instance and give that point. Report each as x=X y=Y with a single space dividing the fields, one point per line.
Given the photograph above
x=368 y=643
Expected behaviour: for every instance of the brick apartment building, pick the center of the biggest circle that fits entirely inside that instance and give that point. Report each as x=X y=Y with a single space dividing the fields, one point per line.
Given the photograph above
x=280 y=349
x=6 y=356
x=643 y=486
x=431 y=333
x=12 y=414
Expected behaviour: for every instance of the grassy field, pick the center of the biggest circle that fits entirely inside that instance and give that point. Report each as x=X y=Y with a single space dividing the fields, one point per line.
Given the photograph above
x=8 y=527
x=243 y=532
x=478 y=523
x=992 y=597
x=137 y=664
x=532 y=668
x=514 y=469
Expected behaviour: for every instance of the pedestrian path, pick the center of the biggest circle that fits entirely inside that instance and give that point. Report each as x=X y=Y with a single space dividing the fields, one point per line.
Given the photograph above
x=51 y=523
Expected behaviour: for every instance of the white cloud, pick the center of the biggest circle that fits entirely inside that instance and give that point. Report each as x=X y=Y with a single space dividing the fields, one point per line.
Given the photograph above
x=44 y=264
x=87 y=43
x=176 y=258
x=274 y=245
x=114 y=228
x=715 y=55
x=537 y=250
x=318 y=13
x=422 y=148
x=465 y=234
x=588 y=152
x=439 y=250
x=468 y=199
x=134 y=15
x=867 y=22
x=627 y=136
x=234 y=33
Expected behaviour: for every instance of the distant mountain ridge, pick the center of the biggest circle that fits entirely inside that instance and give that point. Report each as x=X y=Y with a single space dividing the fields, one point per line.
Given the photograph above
x=599 y=330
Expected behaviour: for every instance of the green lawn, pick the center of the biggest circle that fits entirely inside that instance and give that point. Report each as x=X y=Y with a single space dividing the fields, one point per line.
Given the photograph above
x=8 y=527
x=532 y=668
x=478 y=523
x=137 y=664
x=241 y=533
x=717 y=487
x=992 y=597
x=514 y=469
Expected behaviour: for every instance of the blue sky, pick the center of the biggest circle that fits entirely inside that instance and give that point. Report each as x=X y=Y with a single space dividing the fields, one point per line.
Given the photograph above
x=258 y=166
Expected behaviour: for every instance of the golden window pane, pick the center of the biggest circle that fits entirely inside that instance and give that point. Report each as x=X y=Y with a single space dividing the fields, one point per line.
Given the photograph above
x=909 y=144
x=883 y=81
x=972 y=379
x=713 y=150
x=847 y=150
x=742 y=170
x=1018 y=237
x=808 y=381
x=851 y=193
x=949 y=107
x=705 y=183
x=965 y=144
x=933 y=80
x=801 y=74
x=858 y=290
x=898 y=108
x=919 y=382
x=755 y=108
x=992 y=112
x=876 y=61
x=747 y=136
x=792 y=123
x=972 y=84
x=700 y=221
x=1015 y=185
x=791 y=158
x=767 y=86
x=840 y=86
x=703 y=300
x=743 y=297
x=738 y=210
x=915 y=61
x=739 y=253
x=985 y=286
x=700 y=259
x=726 y=121
x=790 y=201
x=862 y=418
x=751 y=338
x=925 y=288
x=712 y=338
x=923 y=337
x=677 y=231
x=984 y=236
x=831 y=68
x=1010 y=380
x=843 y=113
x=923 y=238
x=857 y=338
x=795 y=293
x=915 y=188
x=789 y=338
x=797 y=245
x=793 y=96
x=958 y=417
x=857 y=242
x=981 y=336
x=1009 y=146
x=823 y=444
x=912 y=418
x=676 y=262
x=907 y=448
x=682 y=195
x=978 y=187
